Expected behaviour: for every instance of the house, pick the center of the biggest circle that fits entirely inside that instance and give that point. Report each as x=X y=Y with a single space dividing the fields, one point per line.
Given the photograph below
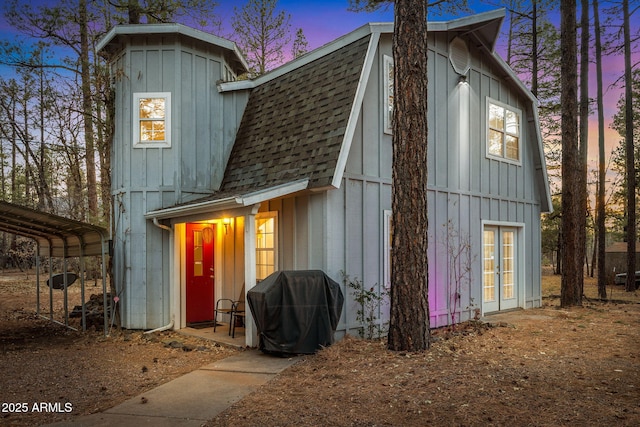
x=218 y=182
x=615 y=259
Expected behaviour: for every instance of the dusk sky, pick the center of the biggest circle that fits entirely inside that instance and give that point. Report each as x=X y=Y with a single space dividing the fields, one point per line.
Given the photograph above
x=324 y=21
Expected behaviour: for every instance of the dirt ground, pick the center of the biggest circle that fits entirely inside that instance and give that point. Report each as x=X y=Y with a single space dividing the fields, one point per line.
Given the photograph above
x=74 y=373
x=541 y=367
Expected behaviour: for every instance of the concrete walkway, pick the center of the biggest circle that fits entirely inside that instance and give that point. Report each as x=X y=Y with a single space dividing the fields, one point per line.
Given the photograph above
x=194 y=398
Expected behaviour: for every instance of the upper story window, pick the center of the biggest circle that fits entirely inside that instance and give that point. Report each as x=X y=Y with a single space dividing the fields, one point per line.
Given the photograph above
x=388 y=94
x=152 y=119
x=504 y=130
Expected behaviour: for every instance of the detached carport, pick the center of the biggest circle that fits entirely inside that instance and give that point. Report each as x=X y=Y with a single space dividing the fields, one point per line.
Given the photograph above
x=59 y=237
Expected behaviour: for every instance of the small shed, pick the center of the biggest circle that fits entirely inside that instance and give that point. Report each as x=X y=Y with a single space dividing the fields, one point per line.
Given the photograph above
x=615 y=258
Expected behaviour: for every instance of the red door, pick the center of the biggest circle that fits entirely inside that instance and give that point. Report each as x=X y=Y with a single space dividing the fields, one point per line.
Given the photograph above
x=200 y=273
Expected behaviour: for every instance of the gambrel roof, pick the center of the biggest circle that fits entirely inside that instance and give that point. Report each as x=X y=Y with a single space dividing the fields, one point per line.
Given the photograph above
x=294 y=126
x=300 y=118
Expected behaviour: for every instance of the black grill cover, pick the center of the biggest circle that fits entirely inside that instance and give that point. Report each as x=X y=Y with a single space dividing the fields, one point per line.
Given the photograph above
x=296 y=312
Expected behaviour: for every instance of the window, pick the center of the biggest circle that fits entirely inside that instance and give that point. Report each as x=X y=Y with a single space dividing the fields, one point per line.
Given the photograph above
x=152 y=119
x=197 y=253
x=503 y=135
x=265 y=244
x=388 y=94
x=501 y=272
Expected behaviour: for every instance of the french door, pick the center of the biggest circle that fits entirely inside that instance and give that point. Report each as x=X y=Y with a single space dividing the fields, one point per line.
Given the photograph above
x=500 y=276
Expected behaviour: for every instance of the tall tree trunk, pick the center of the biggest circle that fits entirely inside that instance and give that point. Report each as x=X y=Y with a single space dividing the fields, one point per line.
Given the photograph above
x=570 y=284
x=512 y=17
x=584 y=140
x=26 y=141
x=629 y=153
x=600 y=204
x=3 y=178
x=87 y=111
x=534 y=49
x=105 y=109
x=45 y=201
x=409 y=323
x=134 y=11
x=14 y=149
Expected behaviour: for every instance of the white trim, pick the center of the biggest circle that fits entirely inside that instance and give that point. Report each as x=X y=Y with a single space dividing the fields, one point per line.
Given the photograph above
x=520 y=233
x=180 y=286
x=387 y=62
x=251 y=330
x=356 y=107
x=137 y=143
x=503 y=158
x=541 y=164
x=230 y=202
x=274 y=192
x=237 y=85
x=194 y=209
x=386 y=247
x=467 y=21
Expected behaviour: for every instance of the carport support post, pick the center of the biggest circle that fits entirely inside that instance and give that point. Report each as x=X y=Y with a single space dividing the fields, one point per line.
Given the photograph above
x=105 y=249
x=82 y=267
x=251 y=333
x=50 y=282
x=66 y=284
x=37 y=278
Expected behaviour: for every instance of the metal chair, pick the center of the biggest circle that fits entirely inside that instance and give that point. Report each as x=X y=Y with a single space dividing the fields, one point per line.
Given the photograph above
x=230 y=308
x=224 y=306
x=237 y=315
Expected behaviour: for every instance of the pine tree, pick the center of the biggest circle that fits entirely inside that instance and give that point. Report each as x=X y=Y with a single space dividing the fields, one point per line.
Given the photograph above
x=570 y=292
x=300 y=44
x=261 y=33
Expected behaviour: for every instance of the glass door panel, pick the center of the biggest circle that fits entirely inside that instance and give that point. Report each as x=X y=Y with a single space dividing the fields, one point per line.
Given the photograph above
x=499 y=275
x=508 y=276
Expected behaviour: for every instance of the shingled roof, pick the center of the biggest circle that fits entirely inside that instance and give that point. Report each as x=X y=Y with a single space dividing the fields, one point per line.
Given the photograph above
x=294 y=125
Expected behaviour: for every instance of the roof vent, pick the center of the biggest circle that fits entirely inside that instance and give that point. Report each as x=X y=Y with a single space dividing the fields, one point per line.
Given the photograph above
x=459 y=56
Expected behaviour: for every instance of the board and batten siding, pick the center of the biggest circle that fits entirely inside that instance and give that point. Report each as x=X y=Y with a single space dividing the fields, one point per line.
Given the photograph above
x=465 y=187
x=203 y=127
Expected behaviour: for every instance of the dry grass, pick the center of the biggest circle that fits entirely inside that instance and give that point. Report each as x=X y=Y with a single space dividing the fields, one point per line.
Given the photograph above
x=542 y=367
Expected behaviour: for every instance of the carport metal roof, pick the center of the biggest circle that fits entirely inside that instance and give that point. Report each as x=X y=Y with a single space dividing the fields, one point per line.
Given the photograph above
x=53 y=232
x=59 y=237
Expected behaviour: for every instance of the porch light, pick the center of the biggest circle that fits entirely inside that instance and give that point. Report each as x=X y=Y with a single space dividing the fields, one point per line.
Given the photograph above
x=226 y=222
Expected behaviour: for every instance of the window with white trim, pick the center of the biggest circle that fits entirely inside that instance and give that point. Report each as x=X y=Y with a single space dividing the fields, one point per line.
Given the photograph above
x=388 y=94
x=152 y=119
x=503 y=131
x=266 y=233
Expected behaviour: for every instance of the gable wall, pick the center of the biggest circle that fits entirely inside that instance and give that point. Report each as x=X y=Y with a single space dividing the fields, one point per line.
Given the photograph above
x=464 y=186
